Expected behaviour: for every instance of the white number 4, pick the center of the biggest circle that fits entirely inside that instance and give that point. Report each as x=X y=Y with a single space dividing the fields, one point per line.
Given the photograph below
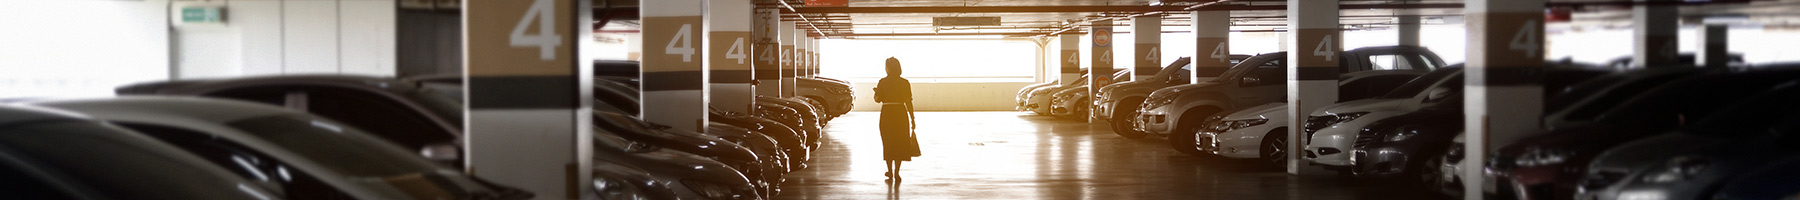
x=1324 y=49
x=1527 y=39
x=1219 y=53
x=546 y=40
x=1151 y=56
x=736 y=51
x=1075 y=58
x=682 y=43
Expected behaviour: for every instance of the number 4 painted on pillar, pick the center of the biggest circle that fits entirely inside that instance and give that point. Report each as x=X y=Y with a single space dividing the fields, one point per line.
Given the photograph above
x=1151 y=56
x=736 y=51
x=1527 y=39
x=546 y=40
x=1324 y=48
x=1074 y=58
x=682 y=43
x=1219 y=53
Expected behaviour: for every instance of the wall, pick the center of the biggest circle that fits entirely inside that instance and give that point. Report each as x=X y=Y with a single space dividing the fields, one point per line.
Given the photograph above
x=80 y=48
x=928 y=96
x=268 y=37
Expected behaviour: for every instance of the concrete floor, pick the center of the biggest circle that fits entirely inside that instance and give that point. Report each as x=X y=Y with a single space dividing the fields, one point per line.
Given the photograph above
x=1012 y=155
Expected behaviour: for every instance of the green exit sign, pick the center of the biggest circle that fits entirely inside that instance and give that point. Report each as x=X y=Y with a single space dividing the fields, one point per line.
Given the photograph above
x=202 y=15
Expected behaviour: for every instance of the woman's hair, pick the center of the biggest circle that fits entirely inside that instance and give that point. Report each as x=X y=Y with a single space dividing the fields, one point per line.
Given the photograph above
x=893 y=67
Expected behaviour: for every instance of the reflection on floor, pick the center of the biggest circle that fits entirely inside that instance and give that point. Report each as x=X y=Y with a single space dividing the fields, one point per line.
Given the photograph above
x=1010 y=155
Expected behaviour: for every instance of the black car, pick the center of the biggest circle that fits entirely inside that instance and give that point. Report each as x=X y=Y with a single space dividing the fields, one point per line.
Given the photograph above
x=1686 y=163
x=307 y=156
x=1387 y=148
x=1549 y=164
x=51 y=154
x=421 y=119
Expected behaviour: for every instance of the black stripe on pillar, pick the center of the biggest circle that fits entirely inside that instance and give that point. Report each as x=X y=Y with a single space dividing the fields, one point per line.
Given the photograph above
x=1316 y=73
x=731 y=76
x=1210 y=71
x=1071 y=70
x=675 y=80
x=1511 y=76
x=506 y=92
x=768 y=74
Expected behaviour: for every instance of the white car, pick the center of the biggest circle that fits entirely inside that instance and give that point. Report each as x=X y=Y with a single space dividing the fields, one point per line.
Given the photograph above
x=1244 y=134
x=1331 y=132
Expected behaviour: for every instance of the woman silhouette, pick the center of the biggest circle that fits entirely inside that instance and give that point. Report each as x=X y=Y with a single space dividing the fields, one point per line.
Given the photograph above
x=897 y=139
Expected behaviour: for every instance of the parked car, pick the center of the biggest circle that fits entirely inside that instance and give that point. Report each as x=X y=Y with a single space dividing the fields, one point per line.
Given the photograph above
x=739 y=157
x=1549 y=164
x=1686 y=163
x=423 y=120
x=1413 y=121
x=1262 y=79
x=832 y=97
x=1123 y=98
x=1024 y=92
x=308 y=156
x=616 y=180
x=1688 y=59
x=1257 y=132
x=614 y=96
x=1039 y=100
x=1070 y=103
x=52 y=154
x=685 y=175
x=1771 y=181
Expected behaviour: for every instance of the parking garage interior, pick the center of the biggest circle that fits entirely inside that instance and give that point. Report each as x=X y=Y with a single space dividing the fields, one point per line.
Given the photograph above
x=819 y=99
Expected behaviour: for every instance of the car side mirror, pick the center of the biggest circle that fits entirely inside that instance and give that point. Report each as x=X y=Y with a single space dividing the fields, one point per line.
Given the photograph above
x=1250 y=81
x=1437 y=94
x=444 y=152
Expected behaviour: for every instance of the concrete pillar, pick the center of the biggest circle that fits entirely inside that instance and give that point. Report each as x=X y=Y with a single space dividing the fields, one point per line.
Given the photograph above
x=1654 y=36
x=1212 y=40
x=1314 y=48
x=1070 y=57
x=728 y=46
x=1504 y=89
x=528 y=98
x=767 y=68
x=1407 y=23
x=674 y=79
x=815 y=56
x=788 y=58
x=1713 y=52
x=802 y=52
x=1148 y=51
x=1100 y=71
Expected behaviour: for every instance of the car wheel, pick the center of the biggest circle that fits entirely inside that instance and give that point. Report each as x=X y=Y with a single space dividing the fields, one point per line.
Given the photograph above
x=1274 y=148
x=1121 y=122
x=1183 y=141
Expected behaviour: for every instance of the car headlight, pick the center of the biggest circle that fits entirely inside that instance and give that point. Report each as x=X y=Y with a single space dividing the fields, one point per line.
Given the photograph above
x=1541 y=156
x=711 y=190
x=1401 y=134
x=1229 y=125
x=611 y=189
x=1677 y=169
x=1347 y=117
x=840 y=90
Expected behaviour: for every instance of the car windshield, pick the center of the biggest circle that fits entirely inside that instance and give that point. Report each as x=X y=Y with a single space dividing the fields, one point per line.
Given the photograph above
x=1417 y=85
x=343 y=149
x=1240 y=69
x=449 y=108
x=119 y=164
x=1674 y=104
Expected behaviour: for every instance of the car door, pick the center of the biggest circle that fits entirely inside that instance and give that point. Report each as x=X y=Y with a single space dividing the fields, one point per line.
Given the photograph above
x=250 y=164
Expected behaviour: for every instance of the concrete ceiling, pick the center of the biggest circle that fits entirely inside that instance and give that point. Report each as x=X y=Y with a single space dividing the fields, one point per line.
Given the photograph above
x=1030 y=23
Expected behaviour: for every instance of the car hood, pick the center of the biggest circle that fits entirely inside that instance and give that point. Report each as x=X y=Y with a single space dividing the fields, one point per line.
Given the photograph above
x=1265 y=111
x=1184 y=88
x=1365 y=105
x=1650 y=151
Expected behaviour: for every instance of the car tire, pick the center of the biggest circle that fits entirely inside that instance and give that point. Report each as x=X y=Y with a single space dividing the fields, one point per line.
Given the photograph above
x=1183 y=141
x=1274 y=148
x=1121 y=121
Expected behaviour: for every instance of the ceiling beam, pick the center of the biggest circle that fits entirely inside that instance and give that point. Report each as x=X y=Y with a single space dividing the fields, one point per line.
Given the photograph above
x=1087 y=9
